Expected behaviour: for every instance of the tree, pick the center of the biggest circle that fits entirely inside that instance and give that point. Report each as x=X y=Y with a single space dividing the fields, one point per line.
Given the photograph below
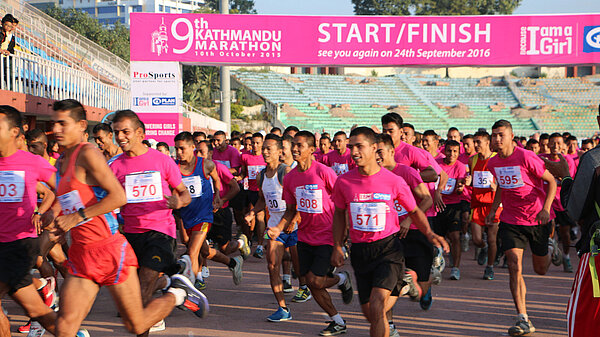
x=434 y=7
x=235 y=6
x=198 y=83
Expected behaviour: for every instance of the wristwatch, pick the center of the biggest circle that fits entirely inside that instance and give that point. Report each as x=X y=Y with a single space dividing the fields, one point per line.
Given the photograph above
x=82 y=214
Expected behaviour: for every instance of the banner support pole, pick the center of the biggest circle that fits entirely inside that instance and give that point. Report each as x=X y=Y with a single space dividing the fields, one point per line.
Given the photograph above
x=225 y=81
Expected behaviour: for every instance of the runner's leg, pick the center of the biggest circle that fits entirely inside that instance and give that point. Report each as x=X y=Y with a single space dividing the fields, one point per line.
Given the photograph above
x=514 y=258
x=76 y=300
x=318 y=286
x=275 y=251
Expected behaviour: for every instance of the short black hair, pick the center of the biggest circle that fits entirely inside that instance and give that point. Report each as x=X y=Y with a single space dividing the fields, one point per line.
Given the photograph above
x=147 y=143
x=258 y=134
x=532 y=141
x=236 y=139
x=199 y=134
x=9 y=18
x=208 y=145
x=76 y=109
x=275 y=129
x=452 y=128
x=325 y=134
x=392 y=117
x=276 y=138
x=129 y=114
x=287 y=138
x=163 y=144
x=408 y=125
x=185 y=136
x=544 y=136
x=14 y=117
x=555 y=135
x=366 y=132
x=310 y=138
x=235 y=134
x=469 y=136
x=102 y=127
x=502 y=123
x=385 y=139
x=431 y=133
x=325 y=138
x=340 y=133
x=570 y=138
x=483 y=133
x=34 y=134
x=587 y=141
x=291 y=128
x=451 y=143
x=220 y=133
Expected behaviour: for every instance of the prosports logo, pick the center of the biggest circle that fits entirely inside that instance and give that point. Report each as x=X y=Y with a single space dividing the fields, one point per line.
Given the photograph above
x=163 y=101
x=591 y=39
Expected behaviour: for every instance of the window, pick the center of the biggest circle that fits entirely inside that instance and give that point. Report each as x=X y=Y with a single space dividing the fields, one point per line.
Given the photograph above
x=161 y=8
x=137 y=8
x=107 y=10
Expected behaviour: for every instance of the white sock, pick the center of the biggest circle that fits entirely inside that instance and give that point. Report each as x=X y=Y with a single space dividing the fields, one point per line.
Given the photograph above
x=240 y=243
x=342 y=277
x=338 y=319
x=44 y=282
x=287 y=277
x=180 y=295
x=523 y=317
x=199 y=277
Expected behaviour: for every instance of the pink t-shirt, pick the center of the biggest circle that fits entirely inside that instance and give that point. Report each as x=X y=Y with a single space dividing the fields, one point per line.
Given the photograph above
x=468 y=190
x=556 y=205
x=225 y=176
x=339 y=163
x=432 y=186
x=455 y=172
x=575 y=158
x=146 y=179
x=230 y=157
x=370 y=203
x=413 y=179
x=19 y=175
x=320 y=155
x=311 y=192
x=253 y=164
x=520 y=178
x=411 y=156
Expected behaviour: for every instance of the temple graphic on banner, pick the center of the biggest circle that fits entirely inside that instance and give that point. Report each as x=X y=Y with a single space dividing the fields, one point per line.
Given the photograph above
x=159 y=39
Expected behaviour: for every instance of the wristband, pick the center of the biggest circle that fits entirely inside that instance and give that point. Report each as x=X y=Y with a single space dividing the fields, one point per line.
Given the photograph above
x=37 y=213
x=82 y=214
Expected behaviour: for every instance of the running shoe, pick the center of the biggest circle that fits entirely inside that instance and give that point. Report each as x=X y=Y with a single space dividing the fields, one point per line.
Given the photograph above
x=200 y=284
x=205 y=272
x=287 y=287
x=186 y=262
x=455 y=274
x=245 y=249
x=259 y=253
x=394 y=332
x=195 y=300
x=426 y=300
x=488 y=273
x=567 y=267
x=346 y=289
x=439 y=262
x=25 y=328
x=521 y=328
x=82 y=333
x=237 y=270
x=48 y=292
x=464 y=242
x=499 y=255
x=280 y=315
x=333 y=329
x=415 y=291
x=436 y=276
x=556 y=252
x=159 y=326
x=302 y=295
x=482 y=257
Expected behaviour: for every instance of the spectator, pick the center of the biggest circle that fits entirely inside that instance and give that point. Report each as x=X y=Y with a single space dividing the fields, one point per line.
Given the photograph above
x=7 y=38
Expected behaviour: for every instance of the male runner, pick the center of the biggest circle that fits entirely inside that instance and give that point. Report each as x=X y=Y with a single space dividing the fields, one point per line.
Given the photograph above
x=431 y=144
x=484 y=189
x=544 y=140
x=526 y=214
x=163 y=148
x=465 y=198
x=103 y=136
x=533 y=146
x=307 y=189
x=408 y=135
x=252 y=164
x=37 y=143
x=324 y=148
x=99 y=255
x=366 y=196
x=339 y=159
x=148 y=177
x=202 y=181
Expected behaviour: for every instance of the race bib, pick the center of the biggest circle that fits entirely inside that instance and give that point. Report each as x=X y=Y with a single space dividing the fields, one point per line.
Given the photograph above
x=254 y=171
x=143 y=187
x=194 y=185
x=368 y=216
x=274 y=201
x=70 y=203
x=309 y=201
x=401 y=211
x=482 y=179
x=509 y=177
x=245 y=183
x=450 y=185
x=224 y=162
x=12 y=186
x=340 y=168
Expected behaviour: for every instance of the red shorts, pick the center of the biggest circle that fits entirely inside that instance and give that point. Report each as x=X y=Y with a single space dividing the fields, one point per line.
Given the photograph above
x=480 y=212
x=201 y=227
x=105 y=262
x=583 y=311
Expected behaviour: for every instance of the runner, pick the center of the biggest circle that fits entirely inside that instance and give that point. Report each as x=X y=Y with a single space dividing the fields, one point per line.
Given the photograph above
x=533 y=146
x=408 y=136
x=148 y=177
x=366 y=197
x=252 y=164
x=324 y=148
x=465 y=198
x=103 y=136
x=544 y=140
x=202 y=181
x=99 y=255
x=448 y=222
x=431 y=144
x=163 y=148
x=525 y=216
x=309 y=186
x=339 y=159
x=484 y=189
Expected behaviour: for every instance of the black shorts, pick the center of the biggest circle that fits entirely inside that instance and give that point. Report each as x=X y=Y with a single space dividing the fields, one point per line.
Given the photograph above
x=316 y=259
x=240 y=201
x=220 y=232
x=418 y=254
x=16 y=260
x=515 y=236
x=465 y=206
x=564 y=219
x=252 y=197
x=449 y=220
x=154 y=250
x=378 y=264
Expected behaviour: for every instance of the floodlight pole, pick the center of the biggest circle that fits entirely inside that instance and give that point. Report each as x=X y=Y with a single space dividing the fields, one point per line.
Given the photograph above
x=225 y=81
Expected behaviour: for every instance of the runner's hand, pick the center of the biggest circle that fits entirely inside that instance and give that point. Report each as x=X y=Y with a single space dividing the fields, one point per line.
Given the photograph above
x=36 y=220
x=273 y=232
x=337 y=257
x=249 y=217
x=542 y=217
x=217 y=202
x=173 y=201
x=289 y=228
x=66 y=222
x=489 y=219
x=468 y=180
x=439 y=202
x=439 y=242
x=404 y=226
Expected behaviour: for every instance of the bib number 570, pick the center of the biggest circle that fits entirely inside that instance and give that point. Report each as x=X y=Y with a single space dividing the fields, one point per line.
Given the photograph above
x=143 y=191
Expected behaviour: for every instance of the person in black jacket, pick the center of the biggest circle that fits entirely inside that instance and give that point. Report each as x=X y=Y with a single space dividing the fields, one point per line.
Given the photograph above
x=7 y=38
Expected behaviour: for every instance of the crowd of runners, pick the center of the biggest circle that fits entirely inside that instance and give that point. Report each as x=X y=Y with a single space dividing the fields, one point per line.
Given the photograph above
x=399 y=205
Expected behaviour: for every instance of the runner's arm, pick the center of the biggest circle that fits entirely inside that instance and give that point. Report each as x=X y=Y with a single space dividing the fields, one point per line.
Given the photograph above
x=437 y=198
x=489 y=219
x=45 y=205
x=420 y=192
x=216 y=185
x=234 y=189
x=429 y=175
x=340 y=228
x=544 y=215
x=259 y=207
x=180 y=198
x=288 y=216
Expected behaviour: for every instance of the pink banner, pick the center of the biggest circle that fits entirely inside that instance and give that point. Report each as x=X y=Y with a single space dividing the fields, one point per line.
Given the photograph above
x=162 y=127
x=365 y=40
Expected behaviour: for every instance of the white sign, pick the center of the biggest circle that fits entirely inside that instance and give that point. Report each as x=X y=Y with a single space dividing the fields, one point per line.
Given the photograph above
x=156 y=87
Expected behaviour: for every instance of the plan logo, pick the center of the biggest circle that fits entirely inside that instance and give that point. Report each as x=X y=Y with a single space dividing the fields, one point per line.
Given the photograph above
x=163 y=101
x=591 y=41
x=159 y=39
x=141 y=101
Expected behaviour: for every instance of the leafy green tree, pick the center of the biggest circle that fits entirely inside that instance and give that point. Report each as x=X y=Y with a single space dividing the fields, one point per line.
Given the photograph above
x=235 y=6
x=198 y=83
x=434 y=7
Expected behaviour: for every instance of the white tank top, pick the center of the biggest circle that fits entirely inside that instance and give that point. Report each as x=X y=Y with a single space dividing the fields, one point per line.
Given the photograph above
x=273 y=192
